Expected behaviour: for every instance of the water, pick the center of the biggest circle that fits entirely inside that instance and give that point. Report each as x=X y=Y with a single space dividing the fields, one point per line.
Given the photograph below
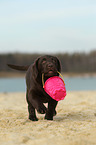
x=80 y=83
x=72 y=84
x=12 y=85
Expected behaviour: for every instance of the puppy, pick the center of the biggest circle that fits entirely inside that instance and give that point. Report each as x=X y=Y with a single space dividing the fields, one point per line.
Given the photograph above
x=35 y=94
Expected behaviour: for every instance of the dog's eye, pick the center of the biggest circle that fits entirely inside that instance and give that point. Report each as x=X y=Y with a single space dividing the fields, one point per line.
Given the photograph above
x=44 y=61
x=53 y=60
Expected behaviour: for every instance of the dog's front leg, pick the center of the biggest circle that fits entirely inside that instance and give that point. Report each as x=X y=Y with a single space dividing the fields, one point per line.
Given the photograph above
x=36 y=102
x=31 y=109
x=51 y=109
x=32 y=114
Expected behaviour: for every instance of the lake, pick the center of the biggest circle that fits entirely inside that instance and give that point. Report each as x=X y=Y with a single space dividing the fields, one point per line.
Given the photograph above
x=72 y=84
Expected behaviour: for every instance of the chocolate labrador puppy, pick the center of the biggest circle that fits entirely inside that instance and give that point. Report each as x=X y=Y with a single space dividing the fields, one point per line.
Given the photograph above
x=35 y=95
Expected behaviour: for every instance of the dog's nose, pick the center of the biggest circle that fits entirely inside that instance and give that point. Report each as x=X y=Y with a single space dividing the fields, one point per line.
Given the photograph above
x=50 y=65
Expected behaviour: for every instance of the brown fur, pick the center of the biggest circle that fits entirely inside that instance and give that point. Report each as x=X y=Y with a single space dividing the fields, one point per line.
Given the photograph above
x=35 y=94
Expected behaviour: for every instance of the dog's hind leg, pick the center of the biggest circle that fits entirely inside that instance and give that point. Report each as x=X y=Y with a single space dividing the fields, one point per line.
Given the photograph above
x=51 y=110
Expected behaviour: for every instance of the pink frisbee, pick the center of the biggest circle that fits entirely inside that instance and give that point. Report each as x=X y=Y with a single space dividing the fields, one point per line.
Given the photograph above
x=55 y=87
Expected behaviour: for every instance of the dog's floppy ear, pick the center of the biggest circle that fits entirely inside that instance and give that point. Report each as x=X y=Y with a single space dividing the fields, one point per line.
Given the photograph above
x=59 y=65
x=35 y=71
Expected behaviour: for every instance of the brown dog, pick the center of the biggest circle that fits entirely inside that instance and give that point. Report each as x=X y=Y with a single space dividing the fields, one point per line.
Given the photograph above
x=35 y=95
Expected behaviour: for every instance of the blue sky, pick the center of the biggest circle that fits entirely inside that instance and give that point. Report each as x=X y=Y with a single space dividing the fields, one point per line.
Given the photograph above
x=40 y=26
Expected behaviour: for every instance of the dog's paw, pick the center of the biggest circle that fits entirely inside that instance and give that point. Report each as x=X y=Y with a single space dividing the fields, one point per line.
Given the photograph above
x=33 y=118
x=49 y=116
x=42 y=109
x=54 y=113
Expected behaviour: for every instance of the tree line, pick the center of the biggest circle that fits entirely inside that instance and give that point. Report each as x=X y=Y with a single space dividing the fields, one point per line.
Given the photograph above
x=76 y=62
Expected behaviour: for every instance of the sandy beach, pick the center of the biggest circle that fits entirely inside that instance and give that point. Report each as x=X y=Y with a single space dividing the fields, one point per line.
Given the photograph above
x=74 y=124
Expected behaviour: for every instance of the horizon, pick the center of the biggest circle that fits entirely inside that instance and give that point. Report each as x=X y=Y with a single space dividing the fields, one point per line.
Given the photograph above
x=44 y=53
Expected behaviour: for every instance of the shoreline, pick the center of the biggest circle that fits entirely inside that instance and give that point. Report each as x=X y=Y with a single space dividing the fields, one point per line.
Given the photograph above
x=23 y=74
x=12 y=74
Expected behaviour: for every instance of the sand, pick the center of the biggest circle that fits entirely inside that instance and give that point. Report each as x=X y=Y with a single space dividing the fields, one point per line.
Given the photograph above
x=74 y=124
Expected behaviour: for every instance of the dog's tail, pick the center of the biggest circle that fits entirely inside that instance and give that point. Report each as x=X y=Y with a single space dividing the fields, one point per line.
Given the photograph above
x=21 y=68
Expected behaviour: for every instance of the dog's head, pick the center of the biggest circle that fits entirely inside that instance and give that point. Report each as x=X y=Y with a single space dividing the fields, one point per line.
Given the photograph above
x=47 y=65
